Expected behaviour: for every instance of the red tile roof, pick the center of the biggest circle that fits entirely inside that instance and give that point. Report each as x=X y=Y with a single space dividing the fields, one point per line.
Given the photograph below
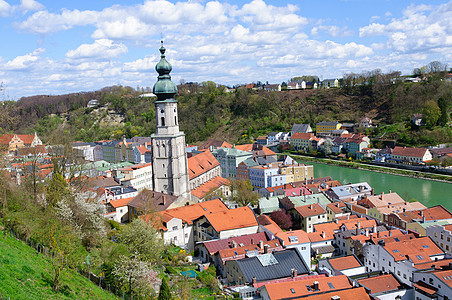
x=120 y=202
x=382 y=283
x=250 y=148
x=239 y=252
x=417 y=250
x=438 y=212
x=241 y=217
x=292 y=290
x=301 y=235
x=310 y=210
x=344 y=263
x=302 y=136
x=336 y=207
x=408 y=151
x=201 y=163
x=211 y=185
x=247 y=239
x=430 y=290
x=348 y=294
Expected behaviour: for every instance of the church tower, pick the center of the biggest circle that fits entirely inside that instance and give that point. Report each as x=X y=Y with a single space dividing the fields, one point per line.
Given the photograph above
x=169 y=160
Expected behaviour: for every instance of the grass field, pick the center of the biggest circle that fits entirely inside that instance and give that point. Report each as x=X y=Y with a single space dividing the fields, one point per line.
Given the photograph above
x=26 y=274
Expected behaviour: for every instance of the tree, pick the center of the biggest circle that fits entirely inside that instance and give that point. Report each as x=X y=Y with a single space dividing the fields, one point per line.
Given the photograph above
x=242 y=192
x=164 y=293
x=134 y=274
x=326 y=146
x=282 y=218
x=431 y=113
x=141 y=238
x=444 y=104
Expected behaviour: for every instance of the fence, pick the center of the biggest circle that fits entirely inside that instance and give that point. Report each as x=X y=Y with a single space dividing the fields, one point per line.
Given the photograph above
x=99 y=281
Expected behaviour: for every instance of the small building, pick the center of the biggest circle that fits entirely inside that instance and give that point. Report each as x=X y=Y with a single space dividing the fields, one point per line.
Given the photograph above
x=308 y=215
x=302 y=128
x=409 y=155
x=418 y=120
x=345 y=265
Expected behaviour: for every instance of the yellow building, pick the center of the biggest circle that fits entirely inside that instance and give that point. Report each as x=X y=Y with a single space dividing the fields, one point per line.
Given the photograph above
x=324 y=128
x=297 y=172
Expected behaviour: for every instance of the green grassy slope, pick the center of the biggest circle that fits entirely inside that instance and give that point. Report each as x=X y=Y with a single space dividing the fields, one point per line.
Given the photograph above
x=25 y=274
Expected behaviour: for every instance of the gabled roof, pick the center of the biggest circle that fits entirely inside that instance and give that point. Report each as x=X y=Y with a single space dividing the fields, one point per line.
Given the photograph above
x=310 y=210
x=301 y=128
x=247 y=239
x=211 y=185
x=201 y=163
x=157 y=201
x=120 y=202
x=293 y=237
x=437 y=212
x=417 y=250
x=381 y=200
x=255 y=148
x=302 y=136
x=214 y=144
x=189 y=213
x=272 y=245
x=381 y=283
x=345 y=263
x=273 y=265
x=241 y=217
x=302 y=288
x=348 y=294
x=408 y=151
x=336 y=207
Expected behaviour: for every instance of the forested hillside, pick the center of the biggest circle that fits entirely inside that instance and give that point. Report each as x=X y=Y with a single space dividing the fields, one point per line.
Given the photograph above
x=206 y=110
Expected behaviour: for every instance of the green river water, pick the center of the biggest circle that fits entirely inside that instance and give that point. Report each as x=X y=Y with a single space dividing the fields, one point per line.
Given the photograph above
x=428 y=192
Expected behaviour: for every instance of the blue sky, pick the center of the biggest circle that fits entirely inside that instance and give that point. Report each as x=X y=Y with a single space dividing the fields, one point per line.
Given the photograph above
x=56 y=47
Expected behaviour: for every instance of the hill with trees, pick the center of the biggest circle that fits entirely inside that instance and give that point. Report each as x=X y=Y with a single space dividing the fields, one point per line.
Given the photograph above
x=209 y=110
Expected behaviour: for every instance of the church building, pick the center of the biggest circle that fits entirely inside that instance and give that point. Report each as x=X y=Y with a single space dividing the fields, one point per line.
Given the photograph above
x=169 y=160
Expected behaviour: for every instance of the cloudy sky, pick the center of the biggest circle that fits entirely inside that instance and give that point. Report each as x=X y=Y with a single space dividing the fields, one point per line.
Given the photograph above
x=55 y=47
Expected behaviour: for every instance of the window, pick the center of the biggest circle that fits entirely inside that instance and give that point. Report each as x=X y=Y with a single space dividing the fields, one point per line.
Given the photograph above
x=174 y=227
x=162 y=121
x=293 y=291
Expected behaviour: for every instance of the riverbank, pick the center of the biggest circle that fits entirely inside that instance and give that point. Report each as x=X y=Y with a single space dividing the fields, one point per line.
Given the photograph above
x=380 y=169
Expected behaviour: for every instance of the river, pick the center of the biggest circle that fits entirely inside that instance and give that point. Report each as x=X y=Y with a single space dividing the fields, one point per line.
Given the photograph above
x=428 y=192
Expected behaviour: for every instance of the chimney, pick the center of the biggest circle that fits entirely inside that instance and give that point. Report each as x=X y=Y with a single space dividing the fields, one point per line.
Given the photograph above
x=337 y=221
x=367 y=232
x=254 y=280
x=358 y=227
x=261 y=244
x=422 y=213
x=295 y=272
x=423 y=219
x=311 y=206
x=374 y=229
x=163 y=199
x=390 y=191
x=316 y=285
x=390 y=233
x=266 y=248
x=252 y=241
x=323 y=234
x=234 y=244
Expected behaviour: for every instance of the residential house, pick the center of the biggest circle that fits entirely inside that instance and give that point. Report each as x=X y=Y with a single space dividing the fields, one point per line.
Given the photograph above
x=177 y=225
x=274 y=137
x=384 y=286
x=330 y=83
x=84 y=150
x=265 y=176
x=302 y=141
x=117 y=210
x=401 y=258
x=418 y=119
x=336 y=210
x=413 y=220
x=257 y=150
x=272 y=87
x=115 y=192
x=215 y=187
x=202 y=168
x=229 y=159
x=212 y=144
x=308 y=215
x=139 y=176
x=365 y=122
x=433 y=284
x=14 y=142
x=383 y=155
x=350 y=191
x=293 y=85
x=224 y=224
x=325 y=128
x=408 y=155
x=139 y=153
x=355 y=144
x=262 y=140
x=301 y=128
x=265 y=267
x=307 y=288
x=441 y=235
x=345 y=265
x=148 y=201
x=297 y=172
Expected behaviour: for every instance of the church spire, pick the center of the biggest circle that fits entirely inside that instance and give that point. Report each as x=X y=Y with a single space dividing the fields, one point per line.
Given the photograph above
x=164 y=88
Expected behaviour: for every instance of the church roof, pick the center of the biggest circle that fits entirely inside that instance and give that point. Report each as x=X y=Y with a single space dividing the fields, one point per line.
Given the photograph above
x=164 y=88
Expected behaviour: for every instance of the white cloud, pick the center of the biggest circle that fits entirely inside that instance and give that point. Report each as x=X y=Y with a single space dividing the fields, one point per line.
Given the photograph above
x=43 y=22
x=100 y=50
x=332 y=30
x=128 y=28
x=421 y=28
x=4 y=8
x=23 y=62
x=30 y=5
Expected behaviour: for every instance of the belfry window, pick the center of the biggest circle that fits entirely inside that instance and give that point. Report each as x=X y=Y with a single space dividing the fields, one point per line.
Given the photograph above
x=175 y=120
x=162 y=121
